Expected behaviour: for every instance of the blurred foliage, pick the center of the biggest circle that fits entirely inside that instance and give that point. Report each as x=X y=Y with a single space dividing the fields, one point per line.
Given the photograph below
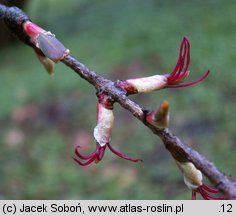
x=43 y=118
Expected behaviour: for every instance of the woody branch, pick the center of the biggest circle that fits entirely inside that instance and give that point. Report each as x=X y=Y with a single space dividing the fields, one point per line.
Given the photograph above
x=15 y=19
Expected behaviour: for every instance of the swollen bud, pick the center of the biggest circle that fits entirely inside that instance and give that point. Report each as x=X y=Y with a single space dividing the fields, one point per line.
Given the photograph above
x=51 y=47
x=192 y=176
x=160 y=117
x=105 y=119
x=143 y=84
x=194 y=181
x=46 y=42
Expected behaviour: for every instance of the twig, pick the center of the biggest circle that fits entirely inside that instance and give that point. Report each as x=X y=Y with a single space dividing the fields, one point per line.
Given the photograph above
x=175 y=146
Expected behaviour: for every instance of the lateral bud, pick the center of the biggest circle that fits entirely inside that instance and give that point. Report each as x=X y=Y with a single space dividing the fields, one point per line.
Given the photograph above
x=192 y=176
x=143 y=84
x=160 y=118
x=45 y=41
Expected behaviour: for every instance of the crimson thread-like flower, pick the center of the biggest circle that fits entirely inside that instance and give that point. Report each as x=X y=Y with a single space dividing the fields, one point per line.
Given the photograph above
x=171 y=80
x=207 y=193
x=180 y=71
x=102 y=135
x=98 y=154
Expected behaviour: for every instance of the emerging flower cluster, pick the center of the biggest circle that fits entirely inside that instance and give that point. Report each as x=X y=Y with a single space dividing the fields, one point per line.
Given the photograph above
x=158 y=118
x=102 y=134
x=193 y=180
x=180 y=71
x=172 y=80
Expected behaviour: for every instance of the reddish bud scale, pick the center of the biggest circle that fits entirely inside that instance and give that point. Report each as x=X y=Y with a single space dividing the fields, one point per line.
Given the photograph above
x=105 y=100
x=32 y=29
x=127 y=87
x=149 y=117
x=46 y=42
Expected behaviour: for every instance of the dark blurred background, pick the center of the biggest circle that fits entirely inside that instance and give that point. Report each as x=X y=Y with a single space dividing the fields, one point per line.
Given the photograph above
x=5 y=37
x=42 y=118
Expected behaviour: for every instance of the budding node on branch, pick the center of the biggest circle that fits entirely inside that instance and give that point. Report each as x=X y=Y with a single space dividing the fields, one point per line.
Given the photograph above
x=172 y=80
x=102 y=133
x=193 y=179
x=160 y=118
x=46 y=45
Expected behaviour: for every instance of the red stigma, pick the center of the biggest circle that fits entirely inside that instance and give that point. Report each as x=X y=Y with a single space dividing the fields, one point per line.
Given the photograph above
x=207 y=193
x=180 y=71
x=98 y=154
x=122 y=155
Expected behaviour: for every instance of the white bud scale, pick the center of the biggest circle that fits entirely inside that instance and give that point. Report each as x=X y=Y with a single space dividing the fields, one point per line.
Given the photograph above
x=105 y=119
x=148 y=84
x=192 y=176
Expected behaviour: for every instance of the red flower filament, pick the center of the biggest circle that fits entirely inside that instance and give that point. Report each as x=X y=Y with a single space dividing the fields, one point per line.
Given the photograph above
x=98 y=154
x=207 y=193
x=180 y=71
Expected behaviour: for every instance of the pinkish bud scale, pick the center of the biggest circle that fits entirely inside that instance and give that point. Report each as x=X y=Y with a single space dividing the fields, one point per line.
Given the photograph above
x=45 y=41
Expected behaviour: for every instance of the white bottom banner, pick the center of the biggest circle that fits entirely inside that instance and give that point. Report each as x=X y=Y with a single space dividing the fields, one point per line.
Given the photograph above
x=117 y=207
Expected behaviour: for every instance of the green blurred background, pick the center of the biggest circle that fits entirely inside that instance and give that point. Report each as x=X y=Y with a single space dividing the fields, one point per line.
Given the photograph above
x=42 y=118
